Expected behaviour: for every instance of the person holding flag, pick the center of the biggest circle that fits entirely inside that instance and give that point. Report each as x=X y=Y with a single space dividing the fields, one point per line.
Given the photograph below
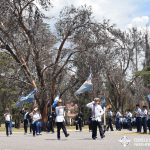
x=26 y=118
x=97 y=113
x=8 y=119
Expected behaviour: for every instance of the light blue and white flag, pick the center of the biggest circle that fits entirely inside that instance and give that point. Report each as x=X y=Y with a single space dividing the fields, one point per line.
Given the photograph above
x=55 y=101
x=87 y=86
x=103 y=102
x=26 y=99
x=148 y=97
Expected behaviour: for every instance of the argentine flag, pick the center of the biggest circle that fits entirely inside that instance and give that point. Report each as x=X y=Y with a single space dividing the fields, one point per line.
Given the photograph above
x=26 y=99
x=55 y=101
x=103 y=102
x=87 y=86
x=148 y=97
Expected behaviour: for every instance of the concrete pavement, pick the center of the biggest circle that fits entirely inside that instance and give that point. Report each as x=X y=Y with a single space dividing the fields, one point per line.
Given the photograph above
x=115 y=140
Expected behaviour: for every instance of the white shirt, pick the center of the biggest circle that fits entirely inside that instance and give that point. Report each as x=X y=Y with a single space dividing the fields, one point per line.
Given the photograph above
x=36 y=116
x=138 y=112
x=60 y=113
x=97 y=111
x=148 y=115
x=118 y=114
x=144 y=113
x=25 y=116
x=110 y=114
x=7 y=117
x=129 y=115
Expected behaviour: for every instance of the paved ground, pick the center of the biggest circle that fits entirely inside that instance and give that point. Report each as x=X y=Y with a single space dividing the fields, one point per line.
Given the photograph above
x=76 y=141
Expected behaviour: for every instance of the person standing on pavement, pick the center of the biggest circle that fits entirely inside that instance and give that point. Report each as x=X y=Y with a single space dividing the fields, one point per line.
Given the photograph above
x=8 y=119
x=60 y=120
x=129 y=118
x=144 y=119
x=118 y=120
x=138 y=118
x=79 y=121
x=110 y=116
x=26 y=117
x=97 y=113
x=148 y=120
x=36 y=125
x=51 y=120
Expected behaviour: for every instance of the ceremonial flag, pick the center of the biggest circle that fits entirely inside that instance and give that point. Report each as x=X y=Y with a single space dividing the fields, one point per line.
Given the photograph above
x=87 y=86
x=148 y=97
x=26 y=99
x=103 y=102
x=55 y=101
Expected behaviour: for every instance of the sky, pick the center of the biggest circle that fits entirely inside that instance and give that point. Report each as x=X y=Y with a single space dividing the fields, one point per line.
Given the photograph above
x=123 y=13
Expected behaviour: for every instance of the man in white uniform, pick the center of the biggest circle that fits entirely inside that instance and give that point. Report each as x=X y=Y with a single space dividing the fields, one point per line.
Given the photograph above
x=60 y=119
x=97 y=112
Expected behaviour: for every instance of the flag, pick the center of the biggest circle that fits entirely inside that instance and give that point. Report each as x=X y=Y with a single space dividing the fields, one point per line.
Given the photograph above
x=26 y=99
x=55 y=101
x=103 y=102
x=148 y=97
x=87 y=86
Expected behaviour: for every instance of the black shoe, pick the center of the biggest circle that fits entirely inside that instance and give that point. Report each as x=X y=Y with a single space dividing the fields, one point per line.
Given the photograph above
x=67 y=135
x=102 y=136
x=58 y=138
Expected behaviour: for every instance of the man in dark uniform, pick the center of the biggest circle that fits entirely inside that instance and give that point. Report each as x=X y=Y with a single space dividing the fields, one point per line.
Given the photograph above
x=78 y=120
x=51 y=120
x=110 y=116
x=26 y=117
x=90 y=122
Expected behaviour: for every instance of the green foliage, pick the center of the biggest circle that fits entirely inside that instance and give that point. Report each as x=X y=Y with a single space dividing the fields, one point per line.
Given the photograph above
x=143 y=73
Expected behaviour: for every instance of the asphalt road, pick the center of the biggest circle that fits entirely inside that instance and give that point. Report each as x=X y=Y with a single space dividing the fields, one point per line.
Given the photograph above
x=115 y=140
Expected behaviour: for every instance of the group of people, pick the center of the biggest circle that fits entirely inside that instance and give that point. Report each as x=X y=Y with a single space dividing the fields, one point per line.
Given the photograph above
x=140 y=118
x=33 y=119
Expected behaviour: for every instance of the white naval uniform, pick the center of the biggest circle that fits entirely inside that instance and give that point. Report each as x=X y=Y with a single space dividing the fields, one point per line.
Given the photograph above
x=97 y=111
x=60 y=113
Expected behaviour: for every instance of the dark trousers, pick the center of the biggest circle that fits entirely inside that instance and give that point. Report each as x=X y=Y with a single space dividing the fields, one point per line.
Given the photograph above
x=144 y=124
x=138 y=124
x=34 y=128
x=25 y=125
x=61 y=125
x=118 y=124
x=7 y=125
x=148 y=124
x=129 y=125
x=110 y=124
x=96 y=124
x=50 y=126
x=90 y=125
x=30 y=127
x=79 y=126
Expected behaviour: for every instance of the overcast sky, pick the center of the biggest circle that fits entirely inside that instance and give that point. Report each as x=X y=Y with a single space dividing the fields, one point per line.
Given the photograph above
x=124 y=13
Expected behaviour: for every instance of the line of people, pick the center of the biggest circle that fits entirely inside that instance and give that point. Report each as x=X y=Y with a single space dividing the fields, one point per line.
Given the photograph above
x=140 y=118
